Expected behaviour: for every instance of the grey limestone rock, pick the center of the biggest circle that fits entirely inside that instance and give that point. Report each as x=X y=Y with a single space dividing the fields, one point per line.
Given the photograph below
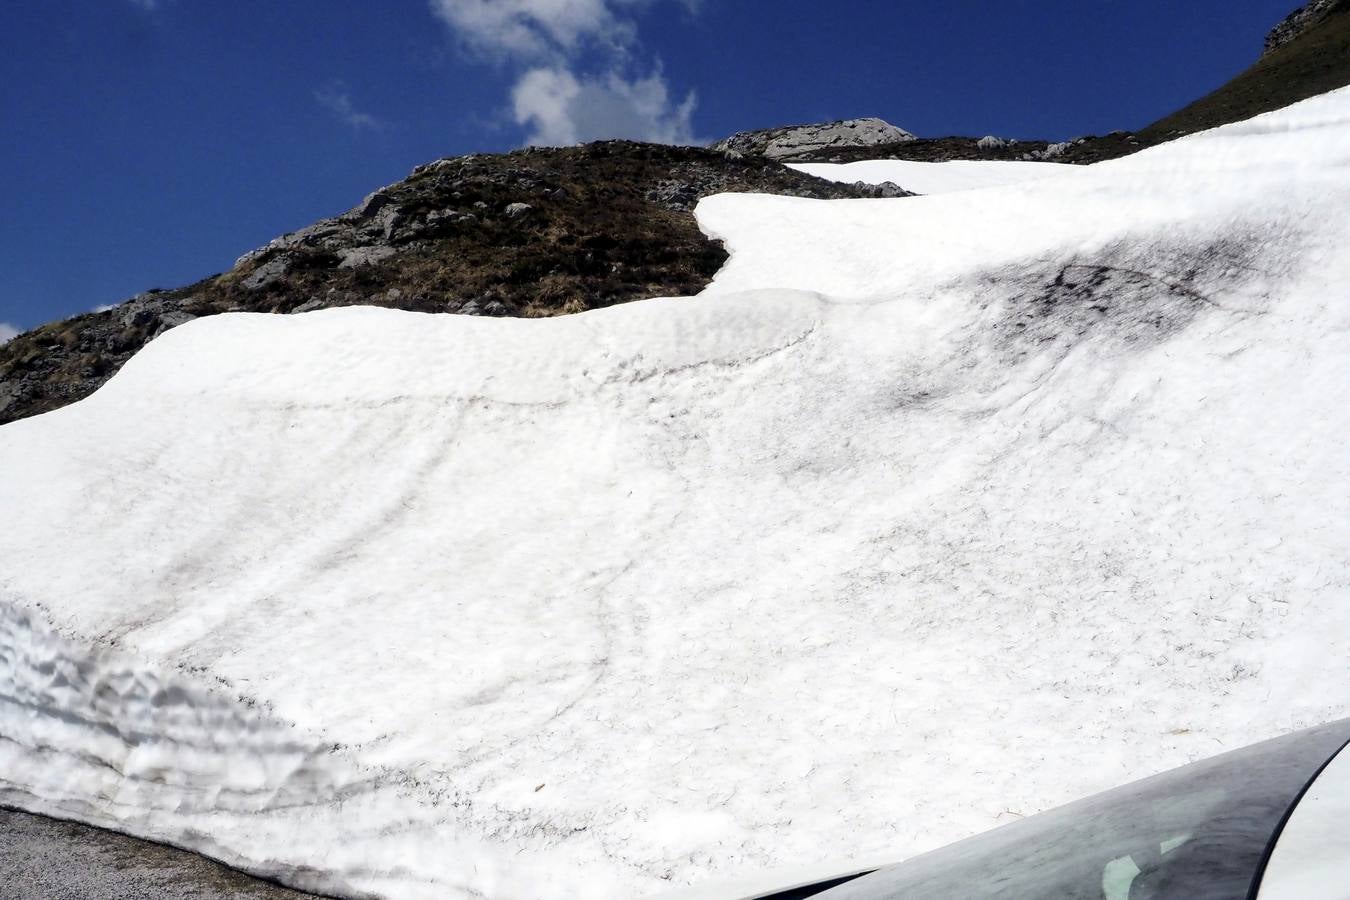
x=9 y=392
x=885 y=190
x=270 y=272
x=154 y=311
x=675 y=194
x=364 y=256
x=1054 y=150
x=794 y=140
x=172 y=319
x=372 y=204
x=387 y=221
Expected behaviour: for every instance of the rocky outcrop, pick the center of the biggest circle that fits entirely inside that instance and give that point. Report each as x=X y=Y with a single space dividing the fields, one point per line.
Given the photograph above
x=1301 y=21
x=859 y=139
x=794 y=141
x=537 y=232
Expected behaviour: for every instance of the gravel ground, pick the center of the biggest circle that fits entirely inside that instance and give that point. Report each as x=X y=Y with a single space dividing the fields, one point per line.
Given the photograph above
x=47 y=859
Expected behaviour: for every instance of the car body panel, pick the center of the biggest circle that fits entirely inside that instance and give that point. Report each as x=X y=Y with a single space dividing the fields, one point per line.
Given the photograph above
x=1311 y=859
x=767 y=884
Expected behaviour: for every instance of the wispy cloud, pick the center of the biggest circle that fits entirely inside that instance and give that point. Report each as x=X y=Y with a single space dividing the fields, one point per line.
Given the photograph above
x=557 y=97
x=534 y=29
x=147 y=5
x=338 y=101
x=7 y=331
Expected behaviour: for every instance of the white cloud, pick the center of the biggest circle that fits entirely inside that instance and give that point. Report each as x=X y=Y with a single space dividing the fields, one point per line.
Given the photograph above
x=558 y=100
x=533 y=29
x=7 y=331
x=336 y=100
x=560 y=108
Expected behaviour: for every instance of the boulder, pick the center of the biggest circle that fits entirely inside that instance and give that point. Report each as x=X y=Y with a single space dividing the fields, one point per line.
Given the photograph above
x=171 y=319
x=270 y=272
x=364 y=256
x=675 y=195
x=372 y=204
x=885 y=190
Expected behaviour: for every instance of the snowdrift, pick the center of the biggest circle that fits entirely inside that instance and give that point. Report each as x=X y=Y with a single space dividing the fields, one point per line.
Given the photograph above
x=935 y=178
x=928 y=513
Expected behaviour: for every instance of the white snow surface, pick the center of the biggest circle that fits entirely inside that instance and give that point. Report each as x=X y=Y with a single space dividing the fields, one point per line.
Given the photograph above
x=936 y=177
x=928 y=513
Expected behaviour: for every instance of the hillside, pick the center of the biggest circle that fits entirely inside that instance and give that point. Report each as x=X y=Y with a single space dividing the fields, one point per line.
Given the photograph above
x=544 y=232
x=537 y=232
x=916 y=507
x=1310 y=61
x=1307 y=54
x=1301 y=21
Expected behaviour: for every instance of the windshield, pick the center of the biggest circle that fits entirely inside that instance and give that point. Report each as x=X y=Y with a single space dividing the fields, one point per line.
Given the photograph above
x=1201 y=832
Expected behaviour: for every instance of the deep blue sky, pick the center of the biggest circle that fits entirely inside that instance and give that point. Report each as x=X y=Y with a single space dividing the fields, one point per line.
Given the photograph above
x=148 y=143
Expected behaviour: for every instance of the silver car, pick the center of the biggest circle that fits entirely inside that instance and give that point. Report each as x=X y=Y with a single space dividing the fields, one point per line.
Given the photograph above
x=1267 y=822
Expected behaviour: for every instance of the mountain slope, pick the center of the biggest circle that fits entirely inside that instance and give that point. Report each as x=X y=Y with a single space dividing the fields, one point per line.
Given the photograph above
x=1302 y=20
x=537 y=232
x=1314 y=60
x=918 y=506
x=1307 y=54
x=605 y=224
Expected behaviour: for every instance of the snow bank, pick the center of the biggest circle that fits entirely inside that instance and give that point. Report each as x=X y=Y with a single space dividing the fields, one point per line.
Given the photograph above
x=929 y=512
x=91 y=734
x=935 y=178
